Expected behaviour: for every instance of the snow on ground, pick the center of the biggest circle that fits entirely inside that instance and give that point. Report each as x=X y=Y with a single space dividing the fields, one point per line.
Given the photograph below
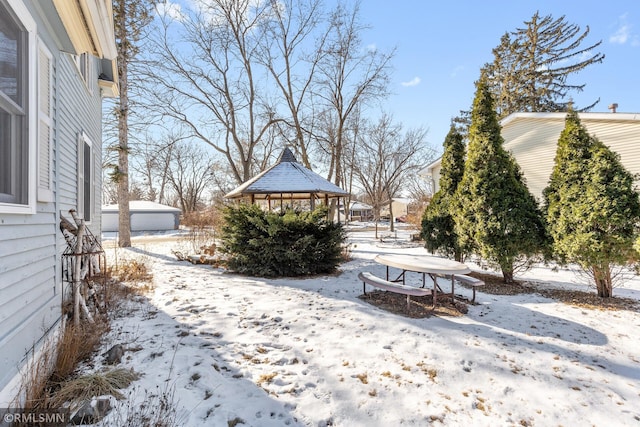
x=308 y=352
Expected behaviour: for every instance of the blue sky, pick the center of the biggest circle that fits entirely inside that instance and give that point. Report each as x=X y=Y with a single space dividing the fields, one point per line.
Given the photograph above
x=442 y=45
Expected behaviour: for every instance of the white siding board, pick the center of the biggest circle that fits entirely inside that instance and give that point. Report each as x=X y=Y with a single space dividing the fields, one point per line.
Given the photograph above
x=534 y=141
x=435 y=173
x=73 y=121
x=16 y=344
x=532 y=138
x=31 y=261
x=534 y=148
x=31 y=245
x=19 y=306
x=13 y=283
x=24 y=231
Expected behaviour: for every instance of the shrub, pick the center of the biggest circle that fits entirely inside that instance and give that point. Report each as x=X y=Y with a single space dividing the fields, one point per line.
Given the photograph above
x=292 y=243
x=203 y=226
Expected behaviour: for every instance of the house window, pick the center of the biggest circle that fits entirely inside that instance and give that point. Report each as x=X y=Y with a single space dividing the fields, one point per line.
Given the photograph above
x=85 y=178
x=14 y=139
x=84 y=63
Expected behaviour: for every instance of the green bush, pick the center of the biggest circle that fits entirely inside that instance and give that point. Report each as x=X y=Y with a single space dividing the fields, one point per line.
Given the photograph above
x=269 y=244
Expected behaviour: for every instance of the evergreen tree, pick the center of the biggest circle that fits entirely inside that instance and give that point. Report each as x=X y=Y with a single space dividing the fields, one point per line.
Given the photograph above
x=493 y=210
x=289 y=243
x=437 y=221
x=532 y=65
x=592 y=209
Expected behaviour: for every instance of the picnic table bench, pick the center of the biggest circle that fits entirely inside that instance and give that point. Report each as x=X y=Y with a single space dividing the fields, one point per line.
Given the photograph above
x=467 y=280
x=470 y=281
x=378 y=282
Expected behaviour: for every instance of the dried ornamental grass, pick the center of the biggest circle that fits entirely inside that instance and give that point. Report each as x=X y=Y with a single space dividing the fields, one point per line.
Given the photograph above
x=91 y=385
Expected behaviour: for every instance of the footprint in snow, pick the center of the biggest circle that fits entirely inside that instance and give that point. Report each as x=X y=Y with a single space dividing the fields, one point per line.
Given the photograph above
x=466 y=365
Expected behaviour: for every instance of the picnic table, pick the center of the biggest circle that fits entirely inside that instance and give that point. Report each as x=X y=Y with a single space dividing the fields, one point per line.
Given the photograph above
x=426 y=265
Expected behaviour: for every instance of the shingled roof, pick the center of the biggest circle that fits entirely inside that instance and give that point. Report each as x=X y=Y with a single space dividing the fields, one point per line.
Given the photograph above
x=287 y=179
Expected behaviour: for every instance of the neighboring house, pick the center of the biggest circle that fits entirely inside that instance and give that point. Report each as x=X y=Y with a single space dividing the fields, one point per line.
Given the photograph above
x=57 y=62
x=360 y=211
x=532 y=138
x=400 y=207
x=144 y=216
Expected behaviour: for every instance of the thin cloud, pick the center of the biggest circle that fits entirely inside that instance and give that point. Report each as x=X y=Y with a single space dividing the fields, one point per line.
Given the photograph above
x=624 y=34
x=621 y=36
x=413 y=82
x=456 y=70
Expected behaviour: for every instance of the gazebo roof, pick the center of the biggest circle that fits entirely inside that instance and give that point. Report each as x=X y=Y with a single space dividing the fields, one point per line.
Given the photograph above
x=287 y=179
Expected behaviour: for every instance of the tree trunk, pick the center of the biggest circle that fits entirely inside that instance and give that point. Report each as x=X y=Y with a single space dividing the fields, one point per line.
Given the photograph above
x=602 y=277
x=124 y=225
x=507 y=275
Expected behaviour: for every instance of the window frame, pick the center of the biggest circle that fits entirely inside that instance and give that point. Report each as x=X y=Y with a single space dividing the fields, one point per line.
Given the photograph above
x=21 y=16
x=85 y=66
x=86 y=180
x=45 y=124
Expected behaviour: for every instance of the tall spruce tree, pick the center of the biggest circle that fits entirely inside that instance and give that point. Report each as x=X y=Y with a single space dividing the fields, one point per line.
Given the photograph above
x=494 y=212
x=437 y=222
x=591 y=207
x=532 y=65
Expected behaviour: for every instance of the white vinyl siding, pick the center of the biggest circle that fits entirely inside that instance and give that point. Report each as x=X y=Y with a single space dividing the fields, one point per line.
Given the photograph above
x=57 y=109
x=534 y=140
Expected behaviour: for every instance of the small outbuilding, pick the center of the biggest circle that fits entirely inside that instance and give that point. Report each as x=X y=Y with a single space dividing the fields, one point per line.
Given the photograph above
x=144 y=216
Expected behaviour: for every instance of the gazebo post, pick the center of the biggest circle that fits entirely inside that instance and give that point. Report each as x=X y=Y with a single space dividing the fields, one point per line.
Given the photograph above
x=312 y=200
x=326 y=203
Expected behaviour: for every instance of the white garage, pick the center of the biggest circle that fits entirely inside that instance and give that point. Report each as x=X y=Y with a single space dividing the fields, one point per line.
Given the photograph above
x=144 y=216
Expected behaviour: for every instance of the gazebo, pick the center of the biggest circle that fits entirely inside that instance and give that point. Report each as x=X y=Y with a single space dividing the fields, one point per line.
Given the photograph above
x=287 y=180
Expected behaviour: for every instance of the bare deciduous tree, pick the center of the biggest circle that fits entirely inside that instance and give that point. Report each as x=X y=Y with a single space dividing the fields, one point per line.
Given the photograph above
x=248 y=77
x=349 y=77
x=385 y=158
x=285 y=54
x=154 y=165
x=190 y=174
x=203 y=71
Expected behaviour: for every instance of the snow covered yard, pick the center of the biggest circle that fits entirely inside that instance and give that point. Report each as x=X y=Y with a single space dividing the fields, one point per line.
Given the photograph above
x=309 y=352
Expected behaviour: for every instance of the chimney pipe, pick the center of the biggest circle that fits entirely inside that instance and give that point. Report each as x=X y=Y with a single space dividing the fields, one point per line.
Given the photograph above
x=613 y=107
